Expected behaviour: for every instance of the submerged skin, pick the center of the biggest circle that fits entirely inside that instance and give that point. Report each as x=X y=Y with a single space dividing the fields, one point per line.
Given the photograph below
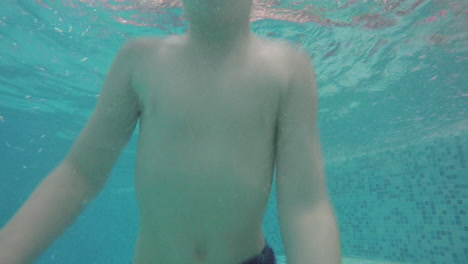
x=219 y=110
x=206 y=150
x=207 y=143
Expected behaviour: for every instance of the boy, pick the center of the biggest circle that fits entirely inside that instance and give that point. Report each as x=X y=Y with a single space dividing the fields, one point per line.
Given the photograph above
x=218 y=109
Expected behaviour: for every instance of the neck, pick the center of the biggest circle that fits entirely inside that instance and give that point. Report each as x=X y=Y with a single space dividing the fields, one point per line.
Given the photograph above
x=218 y=39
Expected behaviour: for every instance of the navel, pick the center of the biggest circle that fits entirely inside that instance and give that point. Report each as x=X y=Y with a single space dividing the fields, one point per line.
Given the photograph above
x=199 y=253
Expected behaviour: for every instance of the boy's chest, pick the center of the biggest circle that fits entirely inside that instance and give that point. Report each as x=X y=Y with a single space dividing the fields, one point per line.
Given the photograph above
x=181 y=92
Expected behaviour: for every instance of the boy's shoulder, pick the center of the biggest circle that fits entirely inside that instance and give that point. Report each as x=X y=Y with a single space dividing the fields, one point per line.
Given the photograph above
x=284 y=51
x=283 y=56
x=135 y=50
x=282 y=47
x=143 y=43
x=138 y=48
x=140 y=44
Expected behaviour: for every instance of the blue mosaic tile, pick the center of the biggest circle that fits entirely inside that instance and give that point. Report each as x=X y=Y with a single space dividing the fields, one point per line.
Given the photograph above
x=404 y=205
x=282 y=260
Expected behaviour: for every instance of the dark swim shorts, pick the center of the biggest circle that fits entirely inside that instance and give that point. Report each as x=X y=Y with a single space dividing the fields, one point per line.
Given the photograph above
x=267 y=256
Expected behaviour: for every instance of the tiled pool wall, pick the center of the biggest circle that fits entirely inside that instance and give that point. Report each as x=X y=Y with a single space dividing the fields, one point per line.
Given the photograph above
x=405 y=205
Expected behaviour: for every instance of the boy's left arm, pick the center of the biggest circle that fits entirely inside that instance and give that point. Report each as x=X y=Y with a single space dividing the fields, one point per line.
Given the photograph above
x=307 y=221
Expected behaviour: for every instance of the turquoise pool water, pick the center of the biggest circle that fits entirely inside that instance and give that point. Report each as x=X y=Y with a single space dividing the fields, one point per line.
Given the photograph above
x=393 y=118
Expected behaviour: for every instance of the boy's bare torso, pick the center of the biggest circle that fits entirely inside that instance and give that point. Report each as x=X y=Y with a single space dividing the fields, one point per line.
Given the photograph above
x=205 y=156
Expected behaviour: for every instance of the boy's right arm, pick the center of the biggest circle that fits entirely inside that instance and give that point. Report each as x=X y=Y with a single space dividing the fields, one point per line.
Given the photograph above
x=52 y=207
x=62 y=195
